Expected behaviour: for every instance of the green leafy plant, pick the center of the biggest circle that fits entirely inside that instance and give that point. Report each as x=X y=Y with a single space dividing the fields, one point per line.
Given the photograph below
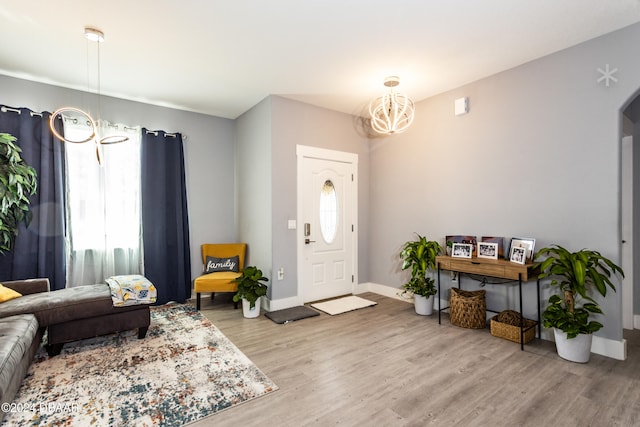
x=18 y=181
x=420 y=256
x=576 y=275
x=250 y=286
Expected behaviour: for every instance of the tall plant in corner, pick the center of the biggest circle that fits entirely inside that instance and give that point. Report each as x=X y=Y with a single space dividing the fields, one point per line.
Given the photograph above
x=420 y=256
x=17 y=182
x=577 y=275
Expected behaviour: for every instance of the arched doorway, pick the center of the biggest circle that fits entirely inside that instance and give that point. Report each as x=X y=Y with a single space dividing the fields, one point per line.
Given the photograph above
x=630 y=212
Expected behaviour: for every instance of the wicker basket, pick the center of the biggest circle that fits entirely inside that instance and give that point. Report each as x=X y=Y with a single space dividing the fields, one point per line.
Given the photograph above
x=507 y=325
x=468 y=308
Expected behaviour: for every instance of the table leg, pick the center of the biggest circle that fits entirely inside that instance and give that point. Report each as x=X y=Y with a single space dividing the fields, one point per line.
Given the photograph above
x=539 y=323
x=521 y=313
x=439 y=296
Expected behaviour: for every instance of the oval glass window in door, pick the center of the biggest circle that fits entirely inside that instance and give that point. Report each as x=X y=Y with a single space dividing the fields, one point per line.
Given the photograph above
x=328 y=211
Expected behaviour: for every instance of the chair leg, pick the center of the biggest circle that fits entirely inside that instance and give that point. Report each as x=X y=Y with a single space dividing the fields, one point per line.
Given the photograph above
x=198 y=301
x=235 y=305
x=212 y=295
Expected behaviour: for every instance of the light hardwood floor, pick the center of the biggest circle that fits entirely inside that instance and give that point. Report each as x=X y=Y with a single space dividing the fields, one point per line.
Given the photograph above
x=387 y=366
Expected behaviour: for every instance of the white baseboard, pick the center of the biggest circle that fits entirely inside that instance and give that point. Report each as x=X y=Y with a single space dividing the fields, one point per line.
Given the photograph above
x=636 y=321
x=610 y=348
x=280 y=304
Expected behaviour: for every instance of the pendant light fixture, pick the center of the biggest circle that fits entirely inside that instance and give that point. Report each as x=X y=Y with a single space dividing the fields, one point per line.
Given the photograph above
x=392 y=112
x=78 y=115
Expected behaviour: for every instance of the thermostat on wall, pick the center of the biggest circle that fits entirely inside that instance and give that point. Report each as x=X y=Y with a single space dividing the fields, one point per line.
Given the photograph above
x=461 y=106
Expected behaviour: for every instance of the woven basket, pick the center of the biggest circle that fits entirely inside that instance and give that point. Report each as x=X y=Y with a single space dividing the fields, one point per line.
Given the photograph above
x=507 y=325
x=468 y=308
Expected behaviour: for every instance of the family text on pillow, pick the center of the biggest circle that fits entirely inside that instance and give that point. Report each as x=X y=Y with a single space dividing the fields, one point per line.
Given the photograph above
x=214 y=264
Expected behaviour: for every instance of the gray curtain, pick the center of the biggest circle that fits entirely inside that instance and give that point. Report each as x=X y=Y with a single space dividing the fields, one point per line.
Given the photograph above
x=39 y=249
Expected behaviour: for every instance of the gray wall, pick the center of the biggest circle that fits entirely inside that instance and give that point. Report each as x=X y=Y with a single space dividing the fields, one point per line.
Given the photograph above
x=538 y=155
x=267 y=136
x=209 y=152
x=254 y=185
x=297 y=123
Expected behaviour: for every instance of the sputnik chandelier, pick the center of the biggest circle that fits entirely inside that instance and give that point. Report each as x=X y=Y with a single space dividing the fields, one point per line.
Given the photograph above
x=392 y=112
x=77 y=114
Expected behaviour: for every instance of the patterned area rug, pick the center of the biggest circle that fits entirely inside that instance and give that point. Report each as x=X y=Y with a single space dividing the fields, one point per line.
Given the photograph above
x=184 y=370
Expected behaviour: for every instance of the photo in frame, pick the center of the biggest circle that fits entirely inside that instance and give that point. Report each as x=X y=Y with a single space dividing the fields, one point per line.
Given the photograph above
x=487 y=250
x=461 y=250
x=518 y=254
x=499 y=241
x=523 y=242
x=450 y=240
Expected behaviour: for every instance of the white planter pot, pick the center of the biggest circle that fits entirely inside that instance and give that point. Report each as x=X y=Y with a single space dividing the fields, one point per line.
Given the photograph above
x=248 y=312
x=576 y=349
x=423 y=305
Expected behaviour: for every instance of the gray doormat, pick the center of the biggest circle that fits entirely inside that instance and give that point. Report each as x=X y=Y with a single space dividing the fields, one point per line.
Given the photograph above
x=287 y=315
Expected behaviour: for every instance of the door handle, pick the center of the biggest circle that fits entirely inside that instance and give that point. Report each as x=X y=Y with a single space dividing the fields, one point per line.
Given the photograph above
x=307 y=241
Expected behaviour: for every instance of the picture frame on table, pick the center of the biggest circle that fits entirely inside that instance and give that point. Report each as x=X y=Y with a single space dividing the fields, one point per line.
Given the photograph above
x=518 y=254
x=500 y=242
x=451 y=239
x=461 y=250
x=487 y=250
x=524 y=242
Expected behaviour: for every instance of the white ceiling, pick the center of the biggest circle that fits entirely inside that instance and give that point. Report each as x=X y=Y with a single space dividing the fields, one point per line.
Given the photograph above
x=221 y=57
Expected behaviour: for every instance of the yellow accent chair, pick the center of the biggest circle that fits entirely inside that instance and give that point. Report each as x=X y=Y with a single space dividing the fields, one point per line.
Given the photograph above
x=221 y=281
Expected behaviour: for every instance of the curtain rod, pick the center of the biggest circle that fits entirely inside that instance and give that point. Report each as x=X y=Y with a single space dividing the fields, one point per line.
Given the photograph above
x=74 y=120
x=155 y=133
x=4 y=109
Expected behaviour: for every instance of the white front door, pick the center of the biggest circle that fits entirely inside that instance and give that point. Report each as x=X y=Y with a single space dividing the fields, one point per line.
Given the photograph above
x=327 y=213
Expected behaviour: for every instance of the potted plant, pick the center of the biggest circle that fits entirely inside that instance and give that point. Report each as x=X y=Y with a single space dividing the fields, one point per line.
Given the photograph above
x=420 y=256
x=576 y=275
x=17 y=182
x=449 y=247
x=250 y=290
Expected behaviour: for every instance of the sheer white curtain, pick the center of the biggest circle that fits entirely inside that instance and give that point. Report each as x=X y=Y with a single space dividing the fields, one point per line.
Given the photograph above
x=104 y=221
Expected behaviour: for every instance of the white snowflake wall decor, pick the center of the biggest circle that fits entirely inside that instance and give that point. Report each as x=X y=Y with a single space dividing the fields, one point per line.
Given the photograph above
x=606 y=75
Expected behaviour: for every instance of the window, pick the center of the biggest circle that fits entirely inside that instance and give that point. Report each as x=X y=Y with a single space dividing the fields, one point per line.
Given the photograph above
x=103 y=208
x=328 y=211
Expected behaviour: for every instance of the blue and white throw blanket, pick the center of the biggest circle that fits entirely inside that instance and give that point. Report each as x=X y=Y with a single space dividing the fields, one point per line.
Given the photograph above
x=131 y=289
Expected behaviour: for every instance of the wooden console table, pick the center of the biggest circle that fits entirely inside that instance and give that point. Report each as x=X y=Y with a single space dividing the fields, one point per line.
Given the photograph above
x=498 y=268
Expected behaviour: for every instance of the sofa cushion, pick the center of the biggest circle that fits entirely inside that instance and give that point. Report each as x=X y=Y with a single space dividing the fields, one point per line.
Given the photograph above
x=7 y=294
x=55 y=306
x=23 y=325
x=17 y=334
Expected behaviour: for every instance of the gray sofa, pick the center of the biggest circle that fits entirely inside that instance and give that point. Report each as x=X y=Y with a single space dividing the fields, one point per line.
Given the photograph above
x=67 y=315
